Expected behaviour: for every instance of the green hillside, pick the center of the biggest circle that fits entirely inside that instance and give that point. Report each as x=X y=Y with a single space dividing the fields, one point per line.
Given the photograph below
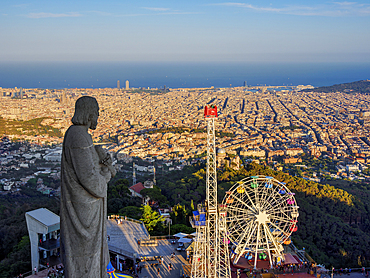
x=333 y=224
x=362 y=87
x=32 y=128
x=15 y=249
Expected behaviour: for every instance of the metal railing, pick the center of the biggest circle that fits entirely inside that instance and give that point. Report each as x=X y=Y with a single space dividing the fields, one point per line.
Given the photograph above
x=29 y=273
x=147 y=242
x=299 y=252
x=195 y=223
x=116 y=216
x=309 y=258
x=166 y=237
x=295 y=249
x=50 y=244
x=134 y=220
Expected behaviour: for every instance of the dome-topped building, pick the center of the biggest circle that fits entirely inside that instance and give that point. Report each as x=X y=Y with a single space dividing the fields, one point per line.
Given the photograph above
x=221 y=155
x=224 y=160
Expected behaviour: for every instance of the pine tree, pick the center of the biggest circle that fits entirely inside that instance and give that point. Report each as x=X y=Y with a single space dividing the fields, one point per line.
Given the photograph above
x=151 y=218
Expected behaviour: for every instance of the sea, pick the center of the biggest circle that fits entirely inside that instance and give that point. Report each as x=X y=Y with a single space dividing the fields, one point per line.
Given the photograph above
x=58 y=75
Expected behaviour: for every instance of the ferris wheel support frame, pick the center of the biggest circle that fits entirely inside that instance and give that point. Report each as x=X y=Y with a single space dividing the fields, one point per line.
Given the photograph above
x=268 y=247
x=256 y=253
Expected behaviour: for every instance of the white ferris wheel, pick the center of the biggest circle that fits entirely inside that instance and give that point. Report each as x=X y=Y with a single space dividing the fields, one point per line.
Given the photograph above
x=261 y=215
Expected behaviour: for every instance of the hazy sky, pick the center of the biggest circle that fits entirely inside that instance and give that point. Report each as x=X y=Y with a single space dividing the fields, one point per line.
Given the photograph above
x=184 y=30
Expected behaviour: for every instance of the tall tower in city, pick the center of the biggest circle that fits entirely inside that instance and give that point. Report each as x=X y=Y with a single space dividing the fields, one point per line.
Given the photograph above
x=61 y=100
x=118 y=85
x=133 y=174
x=127 y=85
x=154 y=180
x=65 y=96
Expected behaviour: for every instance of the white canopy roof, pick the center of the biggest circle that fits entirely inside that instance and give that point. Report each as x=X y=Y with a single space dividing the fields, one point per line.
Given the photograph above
x=180 y=235
x=185 y=240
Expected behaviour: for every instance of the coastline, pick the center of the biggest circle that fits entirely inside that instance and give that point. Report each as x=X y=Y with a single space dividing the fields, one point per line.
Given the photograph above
x=58 y=75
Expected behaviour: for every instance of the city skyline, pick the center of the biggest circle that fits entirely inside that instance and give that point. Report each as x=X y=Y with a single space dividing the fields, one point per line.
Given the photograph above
x=257 y=31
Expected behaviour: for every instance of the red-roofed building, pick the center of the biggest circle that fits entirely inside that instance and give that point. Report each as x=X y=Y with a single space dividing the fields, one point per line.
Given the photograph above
x=136 y=189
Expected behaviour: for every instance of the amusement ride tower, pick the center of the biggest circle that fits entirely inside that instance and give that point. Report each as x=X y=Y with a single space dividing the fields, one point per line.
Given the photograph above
x=211 y=254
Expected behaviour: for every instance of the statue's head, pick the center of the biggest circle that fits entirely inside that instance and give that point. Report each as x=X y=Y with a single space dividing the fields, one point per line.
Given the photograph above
x=86 y=112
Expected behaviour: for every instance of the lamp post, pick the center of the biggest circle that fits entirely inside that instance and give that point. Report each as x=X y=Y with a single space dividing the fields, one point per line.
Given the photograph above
x=169 y=227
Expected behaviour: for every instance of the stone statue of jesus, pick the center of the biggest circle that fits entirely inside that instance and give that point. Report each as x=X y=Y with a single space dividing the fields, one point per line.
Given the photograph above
x=83 y=207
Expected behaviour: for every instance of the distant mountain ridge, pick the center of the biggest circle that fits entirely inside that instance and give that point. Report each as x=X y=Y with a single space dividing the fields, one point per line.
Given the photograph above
x=362 y=87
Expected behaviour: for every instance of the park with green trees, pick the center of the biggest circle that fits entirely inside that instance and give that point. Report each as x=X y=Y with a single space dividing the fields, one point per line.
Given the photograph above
x=15 y=249
x=31 y=127
x=334 y=221
x=333 y=225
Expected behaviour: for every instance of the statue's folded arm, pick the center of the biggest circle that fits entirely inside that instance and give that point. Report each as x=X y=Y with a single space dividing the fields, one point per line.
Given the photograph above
x=86 y=171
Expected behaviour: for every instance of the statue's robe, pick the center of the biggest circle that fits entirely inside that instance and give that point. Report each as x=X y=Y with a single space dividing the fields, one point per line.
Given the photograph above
x=83 y=208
